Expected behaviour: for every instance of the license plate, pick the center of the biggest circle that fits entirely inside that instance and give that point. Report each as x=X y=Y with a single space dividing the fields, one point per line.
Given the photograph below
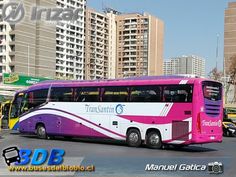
x=212 y=137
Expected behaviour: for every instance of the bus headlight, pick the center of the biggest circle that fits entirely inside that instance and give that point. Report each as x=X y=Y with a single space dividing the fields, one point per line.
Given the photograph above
x=232 y=130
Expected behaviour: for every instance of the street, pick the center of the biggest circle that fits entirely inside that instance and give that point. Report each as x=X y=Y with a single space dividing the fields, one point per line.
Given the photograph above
x=117 y=159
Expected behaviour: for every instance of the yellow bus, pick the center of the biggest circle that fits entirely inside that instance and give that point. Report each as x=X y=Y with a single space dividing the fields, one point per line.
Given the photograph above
x=15 y=110
x=231 y=113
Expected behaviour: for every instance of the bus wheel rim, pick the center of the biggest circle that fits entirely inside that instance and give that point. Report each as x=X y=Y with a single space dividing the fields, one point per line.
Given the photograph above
x=42 y=131
x=154 y=139
x=133 y=137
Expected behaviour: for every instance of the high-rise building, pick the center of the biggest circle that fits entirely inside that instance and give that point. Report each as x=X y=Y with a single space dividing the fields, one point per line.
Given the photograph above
x=139 y=45
x=96 y=45
x=229 y=34
x=100 y=44
x=70 y=43
x=28 y=48
x=112 y=27
x=192 y=65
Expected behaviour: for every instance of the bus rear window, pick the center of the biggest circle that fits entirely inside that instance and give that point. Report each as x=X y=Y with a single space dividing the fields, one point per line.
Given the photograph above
x=212 y=90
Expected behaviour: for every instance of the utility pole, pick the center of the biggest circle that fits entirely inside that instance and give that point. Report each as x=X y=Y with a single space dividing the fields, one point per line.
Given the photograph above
x=217 y=51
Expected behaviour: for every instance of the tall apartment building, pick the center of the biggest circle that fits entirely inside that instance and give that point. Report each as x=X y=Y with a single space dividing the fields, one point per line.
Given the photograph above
x=193 y=65
x=112 y=27
x=229 y=34
x=70 y=43
x=28 y=48
x=96 y=45
x=100 y=44
x=139 y=45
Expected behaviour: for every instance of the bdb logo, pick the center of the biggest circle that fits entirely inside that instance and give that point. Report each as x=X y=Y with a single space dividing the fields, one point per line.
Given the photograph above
x=36 y=157
x=14 y=12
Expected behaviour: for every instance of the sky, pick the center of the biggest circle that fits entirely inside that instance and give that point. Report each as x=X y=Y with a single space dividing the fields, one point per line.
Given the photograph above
x=191 y=26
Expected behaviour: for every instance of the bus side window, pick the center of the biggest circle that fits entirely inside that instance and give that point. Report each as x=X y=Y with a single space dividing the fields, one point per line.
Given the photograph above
x=177 y=93
x=115 y=94
x=145 y=94
x=34 y=99
x=61 y=94
x=87 y=94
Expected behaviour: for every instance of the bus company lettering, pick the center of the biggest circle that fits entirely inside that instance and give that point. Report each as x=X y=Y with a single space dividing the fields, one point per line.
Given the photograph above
x=99 y=109
x=118 y=109
x=175 y=167
x=211 y=123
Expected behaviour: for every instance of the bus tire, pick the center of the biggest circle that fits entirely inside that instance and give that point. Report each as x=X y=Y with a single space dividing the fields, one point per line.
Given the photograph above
x=41 y=132
x=154 y=140
x=179 y=146
x=133 y=138
x=68 y=137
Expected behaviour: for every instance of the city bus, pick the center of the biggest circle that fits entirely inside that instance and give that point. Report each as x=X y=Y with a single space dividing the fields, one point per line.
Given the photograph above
x=15 y=110
x=147 y=110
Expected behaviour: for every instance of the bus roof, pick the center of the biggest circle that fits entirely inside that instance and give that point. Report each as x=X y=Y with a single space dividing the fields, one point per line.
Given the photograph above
x=148 y=80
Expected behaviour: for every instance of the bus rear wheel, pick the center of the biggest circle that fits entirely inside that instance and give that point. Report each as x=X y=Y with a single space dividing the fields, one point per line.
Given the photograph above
x=41 y=132
x=154 y=140
x=133 y=138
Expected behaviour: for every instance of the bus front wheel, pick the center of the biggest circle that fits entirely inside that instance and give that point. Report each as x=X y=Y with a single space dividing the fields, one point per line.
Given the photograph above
x=41 y=132
x=154 y=140
x=133 y=138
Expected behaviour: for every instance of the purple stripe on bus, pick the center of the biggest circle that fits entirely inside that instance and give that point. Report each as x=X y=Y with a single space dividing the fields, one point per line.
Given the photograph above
x=67 y=127
x=83 y=120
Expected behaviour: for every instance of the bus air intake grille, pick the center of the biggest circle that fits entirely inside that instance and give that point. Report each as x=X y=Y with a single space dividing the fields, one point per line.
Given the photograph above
x=212 y=109
x=180 y=130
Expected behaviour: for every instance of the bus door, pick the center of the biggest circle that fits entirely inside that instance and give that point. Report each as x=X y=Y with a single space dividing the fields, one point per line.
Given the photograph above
x=114 y=99
x=5 y=114
x=15 y=111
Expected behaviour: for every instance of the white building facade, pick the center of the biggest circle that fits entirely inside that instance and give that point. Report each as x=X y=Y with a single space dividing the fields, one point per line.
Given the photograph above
x=192 y=64
x=70 y=43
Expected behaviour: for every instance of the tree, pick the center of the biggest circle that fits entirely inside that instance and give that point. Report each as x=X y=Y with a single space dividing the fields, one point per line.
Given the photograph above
x=215 y=74
x=232 y=76
x=232 y=68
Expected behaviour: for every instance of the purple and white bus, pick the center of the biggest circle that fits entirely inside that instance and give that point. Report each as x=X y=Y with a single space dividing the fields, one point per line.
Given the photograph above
x=150 y=110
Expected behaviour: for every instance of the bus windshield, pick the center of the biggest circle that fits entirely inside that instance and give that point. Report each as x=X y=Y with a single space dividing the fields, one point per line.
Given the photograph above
x=212 y=90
